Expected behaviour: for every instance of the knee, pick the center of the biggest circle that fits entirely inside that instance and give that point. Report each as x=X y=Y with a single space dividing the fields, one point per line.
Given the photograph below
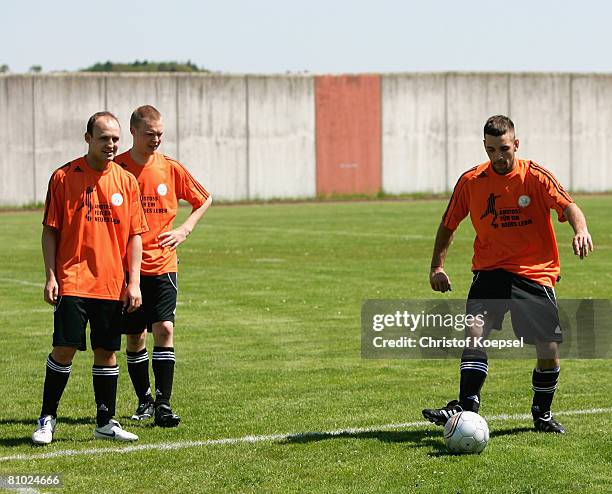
x=63 y=354
x=162 y=332
x=136 y=342
x=104 y=357
x=163 y=329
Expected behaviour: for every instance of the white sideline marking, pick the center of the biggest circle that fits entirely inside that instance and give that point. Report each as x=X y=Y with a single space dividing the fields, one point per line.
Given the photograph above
x=269 y=437
x=22 y=282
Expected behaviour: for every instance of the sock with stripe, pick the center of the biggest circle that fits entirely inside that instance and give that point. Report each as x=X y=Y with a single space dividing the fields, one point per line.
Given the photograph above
x=163 y=368
x=56 y=378
x=105 y=391
x=474 y=369
x=138 y=368
x=544 y=384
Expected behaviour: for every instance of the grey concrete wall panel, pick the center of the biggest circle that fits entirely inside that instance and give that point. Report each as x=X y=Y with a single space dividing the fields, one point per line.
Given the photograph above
x=413 y=134
x=62 y=105
x=125 y=92
x=282 y=158
x=17 y=172
x=591 y=136
x=540 y=108
x=471 y=99
x=212 y=132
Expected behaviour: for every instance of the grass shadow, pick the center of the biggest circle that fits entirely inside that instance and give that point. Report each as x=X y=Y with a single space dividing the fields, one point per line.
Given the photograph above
x=495 y=433
x=418 y=437
x=62 y=420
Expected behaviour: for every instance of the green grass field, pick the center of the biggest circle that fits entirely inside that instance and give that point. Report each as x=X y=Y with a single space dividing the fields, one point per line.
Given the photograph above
x=268 y=342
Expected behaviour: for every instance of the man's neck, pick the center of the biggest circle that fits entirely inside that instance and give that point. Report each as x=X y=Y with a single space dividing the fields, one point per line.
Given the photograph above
x=140 y=158
x=97 y=165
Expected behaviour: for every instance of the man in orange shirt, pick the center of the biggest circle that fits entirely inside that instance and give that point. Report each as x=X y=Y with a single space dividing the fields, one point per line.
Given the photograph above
x=91 y=234
x=515 y=264
x=162 y=181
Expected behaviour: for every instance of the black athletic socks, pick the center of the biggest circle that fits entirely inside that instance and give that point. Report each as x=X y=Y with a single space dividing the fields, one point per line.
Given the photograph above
x=474 y=369
x=544 y=384
x=105 y=391
x=56 y=377
x=163 y=369
x=138 y=368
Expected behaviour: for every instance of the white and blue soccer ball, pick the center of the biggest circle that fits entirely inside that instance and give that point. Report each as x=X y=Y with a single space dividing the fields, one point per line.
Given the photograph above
x=466 y=432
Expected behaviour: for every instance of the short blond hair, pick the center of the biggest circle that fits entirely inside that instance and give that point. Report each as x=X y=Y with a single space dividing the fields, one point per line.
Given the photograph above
x=142 y=113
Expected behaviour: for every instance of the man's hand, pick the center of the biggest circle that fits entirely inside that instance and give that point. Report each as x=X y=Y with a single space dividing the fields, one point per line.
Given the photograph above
x=439 y=280
x=50 y=292
x=173 y=238
x=132 y=299
x=582 y=243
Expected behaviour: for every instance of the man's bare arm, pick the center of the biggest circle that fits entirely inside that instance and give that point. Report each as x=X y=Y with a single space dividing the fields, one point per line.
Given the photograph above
x=132 y=298
x=582 y=243
x=49 y=249
x=438 y=278
x=176 y=237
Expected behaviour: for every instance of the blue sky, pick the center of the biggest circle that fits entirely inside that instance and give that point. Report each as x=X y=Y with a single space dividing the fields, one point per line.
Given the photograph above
x=317 y=36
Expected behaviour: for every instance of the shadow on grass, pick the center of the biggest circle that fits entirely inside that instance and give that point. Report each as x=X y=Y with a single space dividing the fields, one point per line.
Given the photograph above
x=419 y=437
x=496 y=433
x=61 y=420
x=21 y=440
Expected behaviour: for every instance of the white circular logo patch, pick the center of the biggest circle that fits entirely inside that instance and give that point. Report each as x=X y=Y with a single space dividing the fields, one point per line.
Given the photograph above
x=524 y=201
x=117 y=199
x=162 y=190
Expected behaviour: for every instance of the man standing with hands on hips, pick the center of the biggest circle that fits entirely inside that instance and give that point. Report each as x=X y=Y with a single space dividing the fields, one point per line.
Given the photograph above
x=162 y=181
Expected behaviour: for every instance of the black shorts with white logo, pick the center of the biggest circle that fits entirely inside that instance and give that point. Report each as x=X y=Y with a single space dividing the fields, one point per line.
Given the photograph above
x=533 y=307
x=70 y=318
x=158 y=303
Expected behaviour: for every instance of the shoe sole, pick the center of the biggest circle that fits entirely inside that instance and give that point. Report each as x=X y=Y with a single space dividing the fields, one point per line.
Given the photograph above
x=170 y=422
x=114 y=438
x=41 y=443
x=139 y=418
x=433 y=419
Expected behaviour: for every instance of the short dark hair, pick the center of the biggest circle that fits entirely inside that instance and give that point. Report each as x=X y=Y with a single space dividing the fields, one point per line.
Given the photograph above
x=92 y=120
x=146 y=112
x=498 y=125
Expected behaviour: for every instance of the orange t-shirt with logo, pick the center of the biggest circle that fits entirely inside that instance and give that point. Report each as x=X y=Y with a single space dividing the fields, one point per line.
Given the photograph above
x=162 y=181
x=95 y=213
x=511 y=216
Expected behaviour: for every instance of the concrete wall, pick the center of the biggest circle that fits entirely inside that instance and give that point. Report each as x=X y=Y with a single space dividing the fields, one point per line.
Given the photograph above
x=591 y=138
x=540 y=108
x=470 y=100
x=62 y=105
x=125 y=92
x=212 y=129
x=281 y=126
x=251 y=137
x=413 y=133
x=17 y=179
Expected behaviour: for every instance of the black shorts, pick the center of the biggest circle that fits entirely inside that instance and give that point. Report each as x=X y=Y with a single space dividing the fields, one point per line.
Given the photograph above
x=533 y=307
x=70 y=318
x=158 y=303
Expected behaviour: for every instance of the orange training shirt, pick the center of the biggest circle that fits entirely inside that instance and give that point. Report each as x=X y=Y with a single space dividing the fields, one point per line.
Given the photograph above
x=95 y=213
x=511 y=216
x=162 y=181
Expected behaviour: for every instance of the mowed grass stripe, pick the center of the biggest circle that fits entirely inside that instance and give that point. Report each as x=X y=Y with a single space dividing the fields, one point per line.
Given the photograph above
x=274 y=437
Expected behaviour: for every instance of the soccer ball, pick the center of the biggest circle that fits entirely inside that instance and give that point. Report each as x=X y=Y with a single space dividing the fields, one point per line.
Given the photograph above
x=466 y=432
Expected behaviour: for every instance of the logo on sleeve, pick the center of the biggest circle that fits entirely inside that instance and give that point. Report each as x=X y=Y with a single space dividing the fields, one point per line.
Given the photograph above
x=524 y=201
x=162 y=189
x=117 y=199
